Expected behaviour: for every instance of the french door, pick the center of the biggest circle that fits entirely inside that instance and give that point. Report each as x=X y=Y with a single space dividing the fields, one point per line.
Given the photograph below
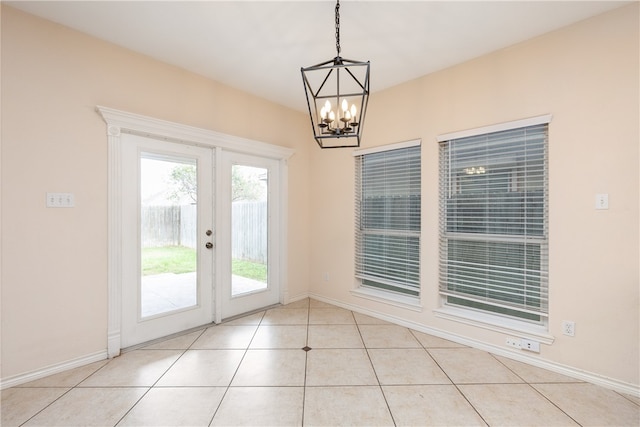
x=248 y=244
x=167 y=238
x=199 y=236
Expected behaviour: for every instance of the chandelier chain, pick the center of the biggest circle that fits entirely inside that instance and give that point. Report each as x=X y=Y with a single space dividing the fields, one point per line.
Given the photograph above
x=338 y=27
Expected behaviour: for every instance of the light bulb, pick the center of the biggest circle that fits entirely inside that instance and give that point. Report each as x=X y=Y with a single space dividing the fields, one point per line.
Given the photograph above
x=327 y=106
x=323 y=113
x=345 y=106
x=347 y=115
x=332 y=116
x=353 y=111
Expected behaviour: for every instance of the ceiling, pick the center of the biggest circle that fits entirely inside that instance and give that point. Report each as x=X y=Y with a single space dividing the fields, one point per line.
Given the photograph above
x=259 y=46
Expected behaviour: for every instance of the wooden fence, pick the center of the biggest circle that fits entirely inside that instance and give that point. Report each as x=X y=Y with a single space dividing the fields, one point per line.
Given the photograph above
x=249 y=231
x=176 y=226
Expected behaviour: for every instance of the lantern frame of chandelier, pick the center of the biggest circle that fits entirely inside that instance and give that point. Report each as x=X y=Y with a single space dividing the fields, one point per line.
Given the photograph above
x=321 y=128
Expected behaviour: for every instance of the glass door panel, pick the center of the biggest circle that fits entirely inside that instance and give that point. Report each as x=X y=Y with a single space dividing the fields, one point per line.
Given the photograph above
x=168 y=231
x=249 y=229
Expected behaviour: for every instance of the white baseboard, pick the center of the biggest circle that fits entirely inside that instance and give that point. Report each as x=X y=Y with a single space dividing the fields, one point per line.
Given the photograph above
x=590 y=377
x=298 y=297
x=52 y=369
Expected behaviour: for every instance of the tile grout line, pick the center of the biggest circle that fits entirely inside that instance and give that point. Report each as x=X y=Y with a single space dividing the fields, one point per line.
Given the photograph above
x=159 y=378
x=61 y=396
x=66 y=392
x=37 y=413
x=627 y=398
x=533 y=388
x=553 y=403
x=213 y=416
x=306 y=364
x=373 y=368
x=452 y=382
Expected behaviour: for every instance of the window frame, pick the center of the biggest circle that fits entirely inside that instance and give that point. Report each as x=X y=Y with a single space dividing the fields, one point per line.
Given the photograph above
x=391 y=296
x=484 y=318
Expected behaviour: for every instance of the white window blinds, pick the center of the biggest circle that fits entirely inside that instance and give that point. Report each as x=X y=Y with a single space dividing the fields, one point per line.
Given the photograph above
x=388 y=219
x=493 y=222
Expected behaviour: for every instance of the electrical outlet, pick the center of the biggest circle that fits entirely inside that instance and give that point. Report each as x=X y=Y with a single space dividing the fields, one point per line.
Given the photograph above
x=513 y=342
x=530 y=345
x=569 y=328
x=602 y=201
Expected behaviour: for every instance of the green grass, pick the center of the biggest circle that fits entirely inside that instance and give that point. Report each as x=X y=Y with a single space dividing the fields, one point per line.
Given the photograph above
x=168 y=259
x=179 y=259
x=248 y=269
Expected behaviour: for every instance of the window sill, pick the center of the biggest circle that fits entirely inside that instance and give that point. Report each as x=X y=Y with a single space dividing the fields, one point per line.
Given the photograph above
x=407 y=302
x=496 y=323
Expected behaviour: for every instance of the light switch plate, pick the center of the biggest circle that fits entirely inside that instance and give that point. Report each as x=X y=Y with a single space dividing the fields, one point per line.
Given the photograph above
x=60 y=200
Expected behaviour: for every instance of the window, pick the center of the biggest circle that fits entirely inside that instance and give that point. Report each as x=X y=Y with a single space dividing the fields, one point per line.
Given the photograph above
x=388 y=218
x=493 y=222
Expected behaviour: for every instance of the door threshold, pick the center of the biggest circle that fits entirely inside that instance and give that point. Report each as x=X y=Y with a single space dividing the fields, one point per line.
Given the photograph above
x=197 y=328
x=165 y=338
x=249 y=313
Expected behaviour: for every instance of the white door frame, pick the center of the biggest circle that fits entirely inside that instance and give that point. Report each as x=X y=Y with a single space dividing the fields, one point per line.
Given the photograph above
x=119 y=122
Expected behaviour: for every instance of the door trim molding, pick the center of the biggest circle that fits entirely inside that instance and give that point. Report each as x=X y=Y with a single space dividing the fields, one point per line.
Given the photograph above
x=176 y=132
x=119 y=122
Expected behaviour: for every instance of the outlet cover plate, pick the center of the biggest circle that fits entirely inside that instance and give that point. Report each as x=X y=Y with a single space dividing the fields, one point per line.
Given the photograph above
x=569 y=328
x=530 y=345
x=602 y=201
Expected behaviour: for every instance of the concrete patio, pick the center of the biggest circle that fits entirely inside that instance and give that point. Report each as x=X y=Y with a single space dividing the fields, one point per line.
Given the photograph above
x=168 y=292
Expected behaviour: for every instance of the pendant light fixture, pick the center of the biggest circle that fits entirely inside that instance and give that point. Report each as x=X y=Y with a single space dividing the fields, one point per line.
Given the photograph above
x=337 y=94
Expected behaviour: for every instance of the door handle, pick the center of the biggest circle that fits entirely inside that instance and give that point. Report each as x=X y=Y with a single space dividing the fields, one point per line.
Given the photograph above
x=208 y=245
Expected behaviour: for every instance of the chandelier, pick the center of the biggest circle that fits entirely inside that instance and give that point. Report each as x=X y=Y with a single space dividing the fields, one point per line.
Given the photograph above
x=337 y=94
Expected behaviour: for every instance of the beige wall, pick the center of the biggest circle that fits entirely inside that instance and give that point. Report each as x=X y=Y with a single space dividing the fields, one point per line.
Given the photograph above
x=586 y=75
x=54 y=272
x=54 y=285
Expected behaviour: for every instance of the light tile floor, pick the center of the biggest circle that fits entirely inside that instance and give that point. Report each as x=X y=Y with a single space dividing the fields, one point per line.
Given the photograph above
x=359 y=371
